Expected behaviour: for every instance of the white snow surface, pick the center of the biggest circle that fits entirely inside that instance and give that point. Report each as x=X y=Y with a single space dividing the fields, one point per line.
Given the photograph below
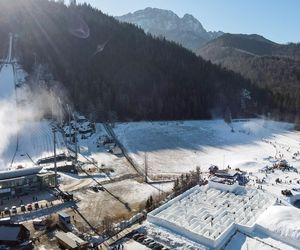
x=244 y=242
x=7 y=86
x=176 y=147
x=36 y=140
x=24 y=134
x=282 y=220
x=133 y=245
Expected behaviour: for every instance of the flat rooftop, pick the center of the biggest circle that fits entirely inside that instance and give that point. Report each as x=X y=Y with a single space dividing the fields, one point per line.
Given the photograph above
x=10 y=174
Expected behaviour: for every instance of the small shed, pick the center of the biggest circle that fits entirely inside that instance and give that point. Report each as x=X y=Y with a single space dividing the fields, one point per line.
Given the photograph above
x=64 y=218
x=70 y=241
x=13 y=234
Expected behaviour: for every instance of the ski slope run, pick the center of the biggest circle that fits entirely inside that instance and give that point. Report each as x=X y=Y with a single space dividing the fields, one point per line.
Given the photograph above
x=25 y=140
x=35 y=142
x=7 y=97
x=7 y=85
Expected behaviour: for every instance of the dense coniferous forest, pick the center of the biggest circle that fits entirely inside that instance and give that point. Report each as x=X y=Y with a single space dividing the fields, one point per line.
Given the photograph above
x=114 y=70
x=267 y=64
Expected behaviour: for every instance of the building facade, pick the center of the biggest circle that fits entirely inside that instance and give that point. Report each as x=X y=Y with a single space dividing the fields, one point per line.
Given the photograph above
x=22 y=182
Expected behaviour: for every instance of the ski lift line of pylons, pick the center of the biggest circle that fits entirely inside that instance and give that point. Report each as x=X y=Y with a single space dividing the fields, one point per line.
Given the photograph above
x=110 y=132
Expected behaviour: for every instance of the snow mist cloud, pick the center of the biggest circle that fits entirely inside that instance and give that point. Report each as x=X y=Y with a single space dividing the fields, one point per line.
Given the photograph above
x=32 y=106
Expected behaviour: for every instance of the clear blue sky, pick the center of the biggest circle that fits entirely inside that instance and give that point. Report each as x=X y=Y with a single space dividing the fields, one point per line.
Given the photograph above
x=277 y=20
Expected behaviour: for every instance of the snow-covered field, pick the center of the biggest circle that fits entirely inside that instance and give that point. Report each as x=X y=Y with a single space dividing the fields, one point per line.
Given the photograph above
x=177 y=147
x=283 y=221
x=258 y=242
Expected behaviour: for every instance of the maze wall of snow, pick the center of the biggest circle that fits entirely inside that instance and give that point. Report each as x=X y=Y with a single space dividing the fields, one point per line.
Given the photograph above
x=210 y=216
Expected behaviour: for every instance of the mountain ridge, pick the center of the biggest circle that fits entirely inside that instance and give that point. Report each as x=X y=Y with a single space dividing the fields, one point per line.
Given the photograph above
x=187 y=31
x=265 y=63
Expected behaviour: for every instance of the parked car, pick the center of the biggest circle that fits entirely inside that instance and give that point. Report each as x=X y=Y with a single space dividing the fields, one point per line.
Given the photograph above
x=158 y=247
x=137 y=235
x=23 y=208
x=29 y=207
x=14 y=209
x=36 y=205
x=153 y=245
x=141 y=238
x=6 y=210
x=147 y=241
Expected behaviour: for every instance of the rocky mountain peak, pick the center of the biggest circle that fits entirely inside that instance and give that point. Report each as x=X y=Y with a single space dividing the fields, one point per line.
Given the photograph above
x=188 y=31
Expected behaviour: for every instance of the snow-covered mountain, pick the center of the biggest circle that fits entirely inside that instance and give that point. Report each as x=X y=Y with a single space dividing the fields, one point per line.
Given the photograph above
x=187 y=31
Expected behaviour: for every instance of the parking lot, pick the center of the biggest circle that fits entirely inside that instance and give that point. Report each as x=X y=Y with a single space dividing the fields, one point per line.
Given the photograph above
x=32 y=206
x=146 y=241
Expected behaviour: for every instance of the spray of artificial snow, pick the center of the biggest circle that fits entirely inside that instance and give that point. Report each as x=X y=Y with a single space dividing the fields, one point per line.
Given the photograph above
x=13 y=117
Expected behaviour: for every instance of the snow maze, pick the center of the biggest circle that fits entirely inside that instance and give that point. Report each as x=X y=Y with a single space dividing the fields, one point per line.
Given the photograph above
x=210 y=216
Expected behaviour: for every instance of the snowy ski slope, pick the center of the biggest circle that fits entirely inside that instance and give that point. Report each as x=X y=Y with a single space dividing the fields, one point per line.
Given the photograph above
x=7 y=86
x=34 y=140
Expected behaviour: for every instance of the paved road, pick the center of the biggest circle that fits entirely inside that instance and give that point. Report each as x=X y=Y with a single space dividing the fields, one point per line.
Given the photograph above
x=57 y=206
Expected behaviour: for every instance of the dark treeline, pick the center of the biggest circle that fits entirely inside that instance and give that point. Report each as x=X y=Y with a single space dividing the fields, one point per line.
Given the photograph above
x=135 y=77
x=273 y=66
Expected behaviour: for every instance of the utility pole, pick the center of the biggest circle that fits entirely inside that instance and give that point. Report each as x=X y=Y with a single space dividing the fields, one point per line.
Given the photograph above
x=76 y=143
x=146 y=168
x=69 y=124
x=69 y=114
x=54 y=130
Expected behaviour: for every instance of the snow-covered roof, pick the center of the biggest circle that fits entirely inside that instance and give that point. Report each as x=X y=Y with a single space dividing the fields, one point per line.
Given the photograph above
x=85 y=124
x=227 y=173
x=70 y=239
x=19 y=173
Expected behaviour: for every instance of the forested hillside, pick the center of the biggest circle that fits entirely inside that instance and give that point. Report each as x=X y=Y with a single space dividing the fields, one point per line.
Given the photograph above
x=267 y=64
x=112 y=69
